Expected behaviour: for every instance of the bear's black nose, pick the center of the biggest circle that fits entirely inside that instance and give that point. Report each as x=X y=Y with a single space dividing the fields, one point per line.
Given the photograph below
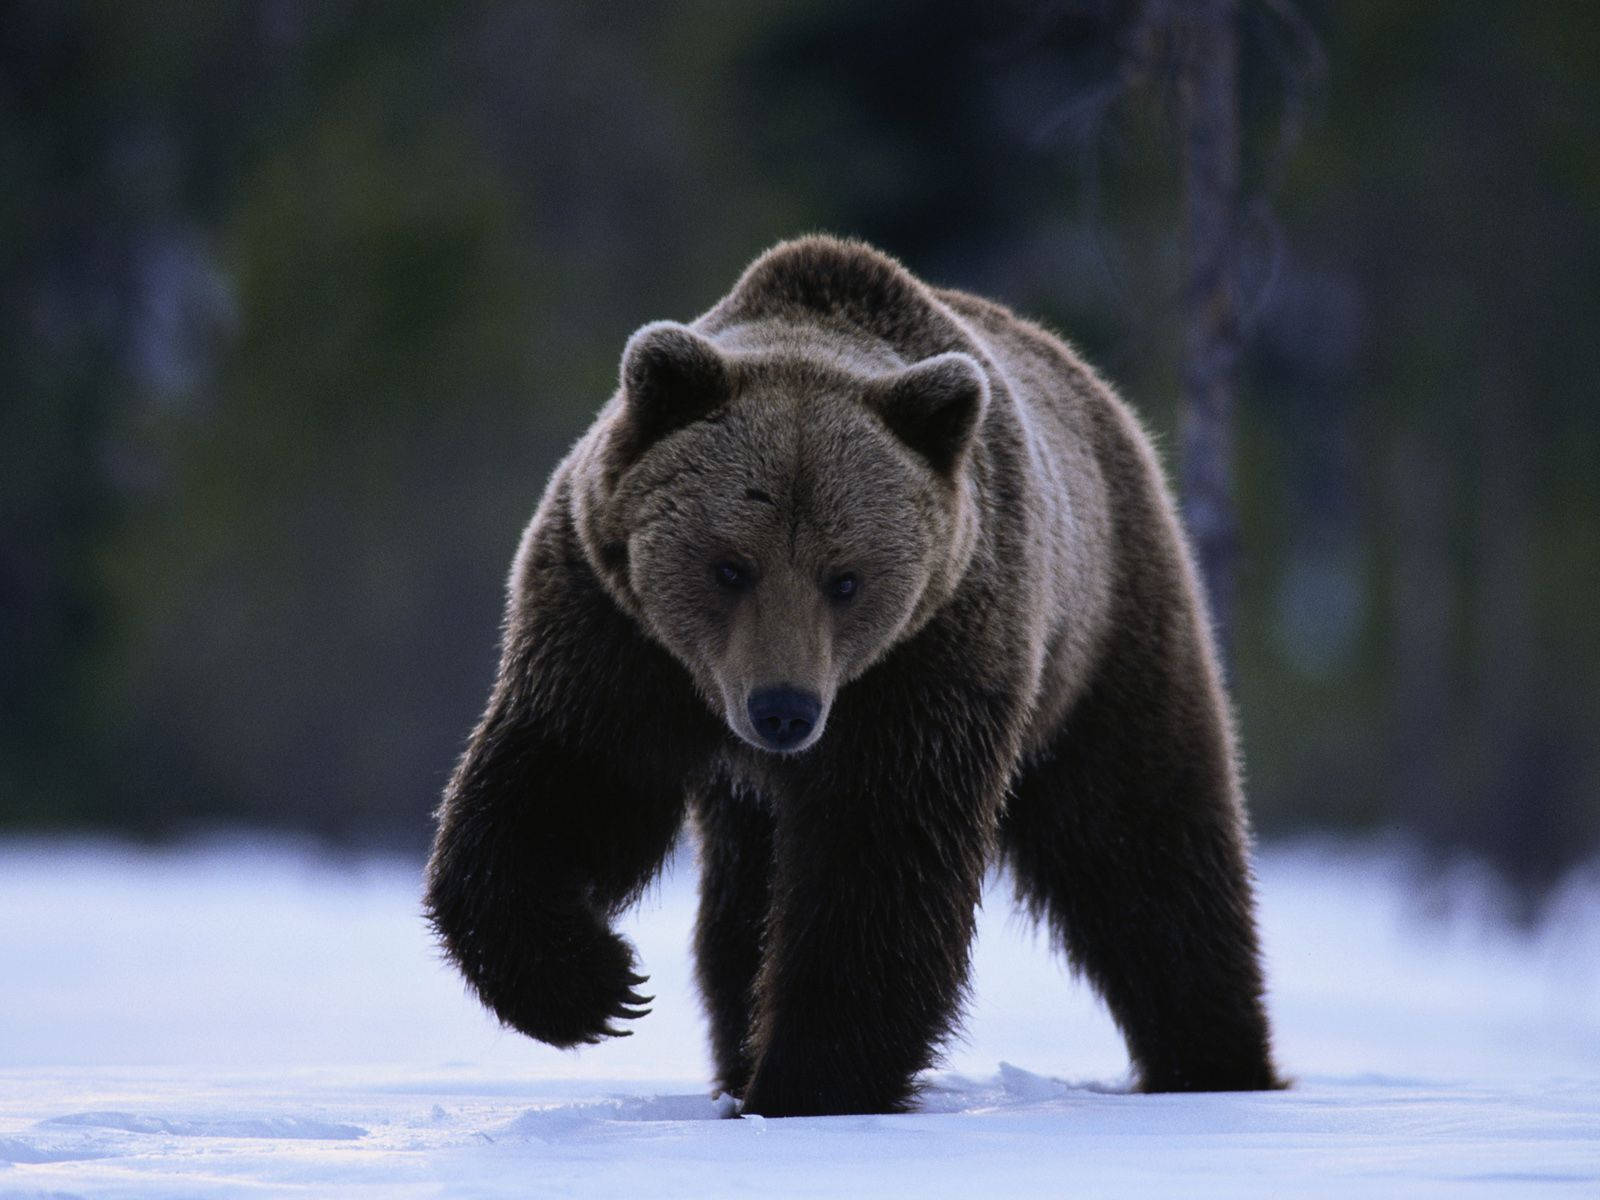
x=783 y=716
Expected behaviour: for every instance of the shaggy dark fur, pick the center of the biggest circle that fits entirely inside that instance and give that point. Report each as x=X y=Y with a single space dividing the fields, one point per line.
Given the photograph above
x=928 y=521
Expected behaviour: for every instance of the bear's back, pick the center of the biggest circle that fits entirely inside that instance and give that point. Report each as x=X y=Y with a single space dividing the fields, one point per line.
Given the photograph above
x=842 y=285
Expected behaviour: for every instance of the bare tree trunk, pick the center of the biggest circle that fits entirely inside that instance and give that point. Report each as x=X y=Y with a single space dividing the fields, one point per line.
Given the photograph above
x=1421 y=723
x=1521 y=816
x=1205 y=40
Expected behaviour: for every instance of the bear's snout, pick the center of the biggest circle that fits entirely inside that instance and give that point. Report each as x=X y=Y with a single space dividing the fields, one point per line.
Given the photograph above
x=783 y=716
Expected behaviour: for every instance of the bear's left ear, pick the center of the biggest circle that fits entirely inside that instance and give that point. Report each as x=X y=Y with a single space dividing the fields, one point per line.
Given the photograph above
x=933 y=406
x=670 y=377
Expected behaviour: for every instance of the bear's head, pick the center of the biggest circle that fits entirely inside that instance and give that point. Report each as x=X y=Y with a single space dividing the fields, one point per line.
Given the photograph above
x=780 y=512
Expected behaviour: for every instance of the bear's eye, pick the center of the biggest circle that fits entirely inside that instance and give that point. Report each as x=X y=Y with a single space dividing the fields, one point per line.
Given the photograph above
x=735 y=577
x=843 y=586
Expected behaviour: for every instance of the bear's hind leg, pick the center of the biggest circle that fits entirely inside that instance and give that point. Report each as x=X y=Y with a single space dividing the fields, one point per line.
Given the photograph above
x=1128 y=836
x=736 y=869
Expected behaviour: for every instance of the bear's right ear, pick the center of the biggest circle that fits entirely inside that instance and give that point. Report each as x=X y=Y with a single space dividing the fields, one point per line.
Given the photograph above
x=671 y=376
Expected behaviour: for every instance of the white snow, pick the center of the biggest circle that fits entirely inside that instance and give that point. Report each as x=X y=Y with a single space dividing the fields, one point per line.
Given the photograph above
x=235 y=1020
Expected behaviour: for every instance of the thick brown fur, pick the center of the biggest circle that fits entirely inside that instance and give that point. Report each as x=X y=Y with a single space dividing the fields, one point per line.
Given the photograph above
x=931 y=520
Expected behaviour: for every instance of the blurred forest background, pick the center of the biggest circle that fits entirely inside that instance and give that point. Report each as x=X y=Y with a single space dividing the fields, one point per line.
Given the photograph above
x=301 y=300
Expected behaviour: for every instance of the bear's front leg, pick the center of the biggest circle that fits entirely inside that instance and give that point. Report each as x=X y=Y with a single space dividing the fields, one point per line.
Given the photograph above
x=881 y=842
x=569 y=795
x=537 y=844
x=735 y=894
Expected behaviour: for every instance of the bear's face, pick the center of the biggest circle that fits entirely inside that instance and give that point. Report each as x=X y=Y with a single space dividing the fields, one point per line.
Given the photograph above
x=785 y=521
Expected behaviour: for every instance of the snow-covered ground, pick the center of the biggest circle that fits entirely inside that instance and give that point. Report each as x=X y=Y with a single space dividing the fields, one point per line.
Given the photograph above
x=246 y=1021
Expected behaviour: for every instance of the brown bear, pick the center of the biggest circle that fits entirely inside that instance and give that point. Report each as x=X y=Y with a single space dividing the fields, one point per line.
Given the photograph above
x=879 y=584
